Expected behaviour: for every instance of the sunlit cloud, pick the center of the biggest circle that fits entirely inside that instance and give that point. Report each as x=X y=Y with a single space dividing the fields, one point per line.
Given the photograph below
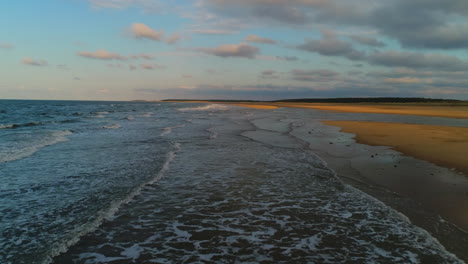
x=142 y=31
x=257 y=39
x=407 y=80
x=173 y=39
x=101 y=55
x=150 y=66
x=33 y=62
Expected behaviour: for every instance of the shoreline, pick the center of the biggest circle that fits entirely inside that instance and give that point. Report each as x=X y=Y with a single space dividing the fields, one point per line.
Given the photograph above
x=441 y=145
x=447 y=110
x=415 y=187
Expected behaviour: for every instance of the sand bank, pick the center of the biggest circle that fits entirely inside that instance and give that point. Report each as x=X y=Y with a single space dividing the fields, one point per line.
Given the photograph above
x=450 y=110
x=421 y=109
x=441 y=145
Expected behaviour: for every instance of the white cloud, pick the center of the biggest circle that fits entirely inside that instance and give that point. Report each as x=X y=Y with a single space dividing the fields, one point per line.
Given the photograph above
x=142 y=31
x=101 y=55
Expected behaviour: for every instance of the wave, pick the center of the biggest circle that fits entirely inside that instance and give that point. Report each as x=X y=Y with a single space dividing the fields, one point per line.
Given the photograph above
x=129 y=118
x=147 y=114
x=99 y=114
x=113 y=126
x=205 y=108
x=168 y=130
x=29 y=124
x=26 y=151
x=213 y=133
x=113 y=208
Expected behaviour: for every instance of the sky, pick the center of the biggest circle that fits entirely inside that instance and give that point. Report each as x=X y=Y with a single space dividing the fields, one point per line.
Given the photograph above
x=233 y=49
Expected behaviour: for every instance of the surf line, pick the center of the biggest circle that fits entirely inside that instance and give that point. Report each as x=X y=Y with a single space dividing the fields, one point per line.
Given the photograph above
x=113 y=208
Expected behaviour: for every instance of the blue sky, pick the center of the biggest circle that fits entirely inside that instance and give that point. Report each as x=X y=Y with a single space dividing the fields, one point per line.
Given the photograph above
x=245 y=49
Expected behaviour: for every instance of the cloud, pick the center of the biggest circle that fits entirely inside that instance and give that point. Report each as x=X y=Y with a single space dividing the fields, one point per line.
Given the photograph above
x=369 y=41
x=269 y=74
x=330 y=45
x=101 y=55
x=418 y=60
x=173 y=39
x=431 y=24
x=407 y=80
x=118 y=65
x=32 y=62
x=208 y=31
x=424 y=23
x=257 y=39
x=142 y=56
x=142 y=31
x=321 y=75
x=150 y=66
x=233 y=50
x=6 y=46
x=62 y=66
x=291 y=12
x=149 y=6
x=287 y=58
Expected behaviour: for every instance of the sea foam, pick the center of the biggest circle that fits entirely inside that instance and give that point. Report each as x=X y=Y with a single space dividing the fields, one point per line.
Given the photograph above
x=16 y=153
x=211 y=107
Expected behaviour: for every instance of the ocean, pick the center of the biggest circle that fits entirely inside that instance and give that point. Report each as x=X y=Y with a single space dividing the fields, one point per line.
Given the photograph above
x=143 y=182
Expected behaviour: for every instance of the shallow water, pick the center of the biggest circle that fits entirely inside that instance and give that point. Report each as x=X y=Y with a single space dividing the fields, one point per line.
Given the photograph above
x=190 y=183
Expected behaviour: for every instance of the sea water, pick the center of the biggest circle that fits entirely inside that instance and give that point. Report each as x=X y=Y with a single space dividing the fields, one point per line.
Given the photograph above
x=136 y=182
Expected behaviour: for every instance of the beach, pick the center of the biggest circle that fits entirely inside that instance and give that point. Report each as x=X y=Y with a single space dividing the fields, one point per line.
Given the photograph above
x=441 y=145
x=425 y=165
x=140 y=182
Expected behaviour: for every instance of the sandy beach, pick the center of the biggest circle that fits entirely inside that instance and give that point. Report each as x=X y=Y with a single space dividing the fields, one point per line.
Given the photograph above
x=449 y=110
x=441 y=145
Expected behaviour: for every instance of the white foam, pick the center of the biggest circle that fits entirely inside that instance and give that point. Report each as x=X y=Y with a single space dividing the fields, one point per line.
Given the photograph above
x=100 y=114
x=213 y=133
x=7 y=126
x=205 y=108
x=21 y=153
x=99 y=258
x=132 y=252
x=147 y=114
x=110 y=213
x=168 y=130
x=113 y=126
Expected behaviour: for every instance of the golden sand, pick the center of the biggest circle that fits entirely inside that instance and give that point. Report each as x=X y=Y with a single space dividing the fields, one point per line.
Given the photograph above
x=451 y=110
x=459 y=110
x=441 y=145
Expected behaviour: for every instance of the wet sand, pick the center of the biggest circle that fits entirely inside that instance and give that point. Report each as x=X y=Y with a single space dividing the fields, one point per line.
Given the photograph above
x=441 y=145
x=421 y=109
x=433 y=196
